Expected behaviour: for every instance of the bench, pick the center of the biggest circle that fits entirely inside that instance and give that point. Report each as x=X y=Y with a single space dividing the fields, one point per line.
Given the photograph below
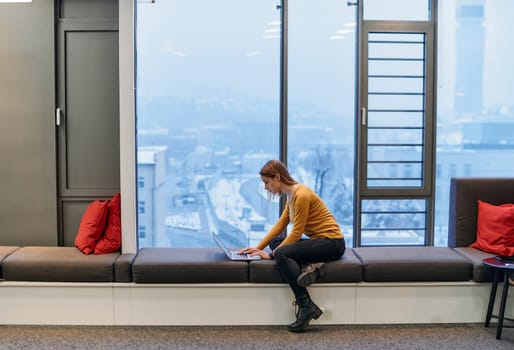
x=64 y=264
x=363 y=283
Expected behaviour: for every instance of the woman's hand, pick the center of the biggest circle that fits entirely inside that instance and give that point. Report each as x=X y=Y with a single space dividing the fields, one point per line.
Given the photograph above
x=255 y=252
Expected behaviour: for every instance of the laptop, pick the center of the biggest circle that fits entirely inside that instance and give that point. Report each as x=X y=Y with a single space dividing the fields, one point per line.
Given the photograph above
x=232 y=254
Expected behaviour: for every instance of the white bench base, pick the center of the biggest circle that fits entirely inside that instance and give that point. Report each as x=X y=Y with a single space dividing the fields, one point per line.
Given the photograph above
x=44 y=303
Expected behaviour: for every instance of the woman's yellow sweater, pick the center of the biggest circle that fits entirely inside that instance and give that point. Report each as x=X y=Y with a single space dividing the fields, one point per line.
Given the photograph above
x=308 y=214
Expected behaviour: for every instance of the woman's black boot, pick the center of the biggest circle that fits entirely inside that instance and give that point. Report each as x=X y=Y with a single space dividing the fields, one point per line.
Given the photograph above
x=306 y=311
x=310 y=274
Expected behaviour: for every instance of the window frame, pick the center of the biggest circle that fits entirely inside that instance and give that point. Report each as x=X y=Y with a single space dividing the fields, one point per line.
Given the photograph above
x=426 y=191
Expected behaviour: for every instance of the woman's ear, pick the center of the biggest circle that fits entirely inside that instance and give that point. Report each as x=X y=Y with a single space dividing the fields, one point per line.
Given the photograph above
x=277 y=177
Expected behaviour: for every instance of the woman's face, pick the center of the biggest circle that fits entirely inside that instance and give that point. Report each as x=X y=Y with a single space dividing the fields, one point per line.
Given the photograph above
x=271 y=184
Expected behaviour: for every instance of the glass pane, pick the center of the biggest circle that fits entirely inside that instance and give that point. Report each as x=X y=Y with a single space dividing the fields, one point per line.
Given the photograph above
x=393 y=50
x=207 y=120
x=393 y=93
x=400 y=153
x=395 y=101
x=395 y=119
x=397 y=37
x=393 y=222
x=396 y=67
x=396 y=84
x=394 y=173
x=321 y=103
x=397 y=10
x=475 y=110
x=392 y=136
x=392 y=165
x=388 y=183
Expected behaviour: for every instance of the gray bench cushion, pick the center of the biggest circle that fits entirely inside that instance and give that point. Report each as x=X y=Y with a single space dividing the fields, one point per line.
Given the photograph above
x=123 y=267
x=413 y=264
x=4 y=252
x=347 y=269
x=481 y=273
x=58 y=264
x=187 y=265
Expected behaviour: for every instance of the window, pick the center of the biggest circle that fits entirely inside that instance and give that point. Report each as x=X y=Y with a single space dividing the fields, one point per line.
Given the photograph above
x=393 y=222
x=395 y=124
x=216 y=98
x=397 y=10
x=209 y=93
x=208 y=118
x=321 y=103
x=395 y=108
x=475 y=107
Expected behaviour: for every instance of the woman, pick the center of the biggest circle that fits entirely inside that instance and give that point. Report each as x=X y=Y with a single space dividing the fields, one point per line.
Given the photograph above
x=310 y=216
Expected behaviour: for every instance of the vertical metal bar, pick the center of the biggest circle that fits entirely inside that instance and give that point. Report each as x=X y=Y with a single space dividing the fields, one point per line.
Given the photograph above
x=283 y=93
x=358 y=137
x=429 y=157
x=283 y=81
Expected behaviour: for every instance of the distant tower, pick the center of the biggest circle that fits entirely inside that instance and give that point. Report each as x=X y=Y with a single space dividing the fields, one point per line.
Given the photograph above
x=469 y=39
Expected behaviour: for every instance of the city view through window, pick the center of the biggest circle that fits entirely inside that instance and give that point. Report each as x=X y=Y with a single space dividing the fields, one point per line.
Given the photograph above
x=208 y=102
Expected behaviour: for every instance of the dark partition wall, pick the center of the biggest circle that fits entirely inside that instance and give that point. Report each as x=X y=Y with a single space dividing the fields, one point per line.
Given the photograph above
x=56 y=55
x=27 y=128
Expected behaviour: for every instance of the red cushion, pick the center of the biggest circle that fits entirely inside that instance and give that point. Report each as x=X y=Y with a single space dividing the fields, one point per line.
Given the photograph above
x=92 y=226
x=111 y=240
x=495 y=229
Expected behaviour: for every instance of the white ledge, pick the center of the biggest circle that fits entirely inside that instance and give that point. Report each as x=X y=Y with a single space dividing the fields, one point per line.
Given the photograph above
x=59 y=303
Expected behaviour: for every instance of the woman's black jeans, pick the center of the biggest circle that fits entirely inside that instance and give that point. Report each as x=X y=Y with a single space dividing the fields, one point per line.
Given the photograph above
x=290 y=258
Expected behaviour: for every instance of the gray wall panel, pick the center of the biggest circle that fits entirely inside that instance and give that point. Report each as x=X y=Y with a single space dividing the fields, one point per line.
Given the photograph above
x=72 y=214
x=28 y=210
x=88 y=8
x=72 y=211
x=92 y=110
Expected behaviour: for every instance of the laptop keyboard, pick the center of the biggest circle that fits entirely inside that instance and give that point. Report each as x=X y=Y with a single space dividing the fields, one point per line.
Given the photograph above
x=243 y=256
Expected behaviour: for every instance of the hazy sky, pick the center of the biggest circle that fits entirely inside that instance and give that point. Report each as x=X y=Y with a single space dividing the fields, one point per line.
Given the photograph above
x=232 y=48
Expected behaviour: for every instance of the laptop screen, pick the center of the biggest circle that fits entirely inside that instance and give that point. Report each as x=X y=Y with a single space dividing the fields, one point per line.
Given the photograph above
x=220 y=244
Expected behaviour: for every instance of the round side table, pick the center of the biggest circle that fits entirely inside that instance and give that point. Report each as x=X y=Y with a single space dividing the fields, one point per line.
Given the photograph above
x=501 y=269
